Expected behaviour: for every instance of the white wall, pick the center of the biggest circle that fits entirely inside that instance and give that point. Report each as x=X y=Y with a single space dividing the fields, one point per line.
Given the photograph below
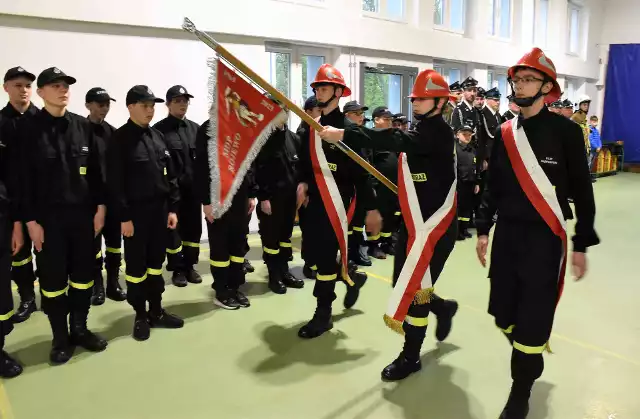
x=620 y=24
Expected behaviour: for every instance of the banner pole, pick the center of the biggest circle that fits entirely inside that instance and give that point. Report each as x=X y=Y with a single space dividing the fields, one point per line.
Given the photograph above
x=189 y=26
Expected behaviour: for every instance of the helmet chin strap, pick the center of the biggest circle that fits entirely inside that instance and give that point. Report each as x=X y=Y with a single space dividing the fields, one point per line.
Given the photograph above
x=322 y=105
x=525 y=102
x=422 y=117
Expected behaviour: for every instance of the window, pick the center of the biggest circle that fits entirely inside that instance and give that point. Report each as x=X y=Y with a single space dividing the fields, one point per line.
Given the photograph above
x=542 y=17
x=495 y=78
x=279 y=71
x=372 y=6
x=450 y=14
x=574 y=29
x=528 y=20
x=569 y=89
x=310 y=65
x=450 y=74
x=393 y=9
x=500 y=18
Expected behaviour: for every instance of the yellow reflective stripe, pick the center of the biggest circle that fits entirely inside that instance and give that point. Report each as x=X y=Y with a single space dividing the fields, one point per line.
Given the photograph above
x=464 y=219
x=238 y=259
x=135 y=279
x=54 y=294
x=349 y=232
x=271 y=251
x=314 y=268
x=508 y=330
x=331 y=277
x=174 y=251
x=529 y=349
x=5 y=317
x=417 y=321
x=80 y=286
x=191 y=244
x=83 y=170
x=152 y=271
x=99 y=255
x=114 y=250
x=385 y=235
x=358 y=228
x=219 y=263
x=285 y=244
x=376 y=237
x=397 y=213
x=22 y=262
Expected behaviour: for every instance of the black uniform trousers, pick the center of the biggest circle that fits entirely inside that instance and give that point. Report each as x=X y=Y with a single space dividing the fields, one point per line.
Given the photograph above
x=183 y=247
x=6 y=298
x=356 y=228
x=306 y=252
x=466 y=203
x=144 y=254
x=276 y=229
x=227 y=248
x=112 y=257
x=524 y=273
x=22 y=268
x=67 y=260
x=390 y=212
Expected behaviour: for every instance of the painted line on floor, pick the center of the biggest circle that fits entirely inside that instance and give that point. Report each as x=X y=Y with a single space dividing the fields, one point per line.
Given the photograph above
x=5 y=406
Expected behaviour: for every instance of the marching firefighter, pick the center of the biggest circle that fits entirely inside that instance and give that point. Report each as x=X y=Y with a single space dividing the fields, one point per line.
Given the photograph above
x=513 y=111
x=538 y=161
x=275 y=175
x=183 y=248
x=63 y=197
x=427 y=190
x=17 y=84
x=98 y=103
x=227 y=234
x=467 y=182
x=144 y=197
x=343 y=177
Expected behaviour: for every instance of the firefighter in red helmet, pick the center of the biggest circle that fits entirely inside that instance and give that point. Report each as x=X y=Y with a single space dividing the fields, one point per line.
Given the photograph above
x=328 y=180
x=427 y=197
x=536 y=164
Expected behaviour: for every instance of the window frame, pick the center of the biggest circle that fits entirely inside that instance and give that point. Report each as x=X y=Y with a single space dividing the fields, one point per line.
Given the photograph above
x=572 y=6
x=496 y=16
x=382 y=13
x=495 y=74
x=446 y=67
x=321 y=4
x=537 y=22
x=446 y=18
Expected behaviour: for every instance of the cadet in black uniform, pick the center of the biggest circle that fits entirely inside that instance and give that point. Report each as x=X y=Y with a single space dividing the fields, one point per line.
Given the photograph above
x=329 y=86
x=63 y=197
x=17 y=84
x=145 y=197
x=227 y=234
x=275 y=175
x=401 y=122
x=467 y=182
x=183 y=248
x=430 y=155
x=514 y=110
x=527 y=254
x=98 y=103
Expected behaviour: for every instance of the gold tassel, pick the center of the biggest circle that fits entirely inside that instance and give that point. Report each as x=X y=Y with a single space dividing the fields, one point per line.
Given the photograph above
x=547 y=348
x=423 y=296
x=393 y=324
x=345 y=276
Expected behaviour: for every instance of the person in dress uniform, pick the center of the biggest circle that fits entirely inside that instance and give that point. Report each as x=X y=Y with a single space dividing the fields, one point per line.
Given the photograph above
x=467 y=114
x=556 y=107
x=514 y=109
x=478 y=102
x=456 y=96
x=567 y=108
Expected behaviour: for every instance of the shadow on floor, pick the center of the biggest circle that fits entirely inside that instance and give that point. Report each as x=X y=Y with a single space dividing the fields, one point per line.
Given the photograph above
x=539 y=402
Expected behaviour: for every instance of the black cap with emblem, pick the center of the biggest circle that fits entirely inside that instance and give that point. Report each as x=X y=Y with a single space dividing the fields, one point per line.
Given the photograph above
x=469 y=82
x=16 y=72
x=177 y=91
x=98 y=94
x=353 y=106
x=464 y=128
x=141 y=93
x=556 y=105
x=481 y=93
x=493 y=93
x=401 y=118
x=567 y=104
x=455 y=87
x=52 y=75
x=382 y=112
x=310 y=103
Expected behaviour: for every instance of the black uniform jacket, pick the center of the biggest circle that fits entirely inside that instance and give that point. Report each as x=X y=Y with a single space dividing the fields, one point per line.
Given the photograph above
x=466 y=156
x=102 y=132
x=139 y=170
x=463 y=115
x=347 y=174
x=559 y=147
x=60 y=164
x=430 y=151
x=180 y=136
x=275 y=166
x=508 y=115
x=490 y=121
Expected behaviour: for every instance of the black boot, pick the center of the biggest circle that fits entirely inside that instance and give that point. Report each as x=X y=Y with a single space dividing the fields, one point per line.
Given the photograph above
x=319 y=323
x=165 y=320
x=518 y=404
x=97 y=295
x=287 y=277
x=24 y=310
x=376 y=252
x=179 y=279
x=444 y=311
x=353 y=292
x=408 y=361
x=388 y=248
x=114 y=290
x=141 y=327
x=275 y=279
x=193 y=276
x=81 y=336
x=247 y=267
x=61 y=347
x=9 y=367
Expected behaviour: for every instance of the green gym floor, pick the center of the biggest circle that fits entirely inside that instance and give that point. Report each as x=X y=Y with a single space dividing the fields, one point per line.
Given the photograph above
x=250 y=364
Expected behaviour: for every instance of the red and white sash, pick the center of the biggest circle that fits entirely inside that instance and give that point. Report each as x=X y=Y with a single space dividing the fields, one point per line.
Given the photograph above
x=536 y=185
x=332 y=200
x=414 y=281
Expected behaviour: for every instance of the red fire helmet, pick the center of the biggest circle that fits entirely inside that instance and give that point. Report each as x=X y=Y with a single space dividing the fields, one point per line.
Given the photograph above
x=537 y=60
x=329 y=74
x=430 y=84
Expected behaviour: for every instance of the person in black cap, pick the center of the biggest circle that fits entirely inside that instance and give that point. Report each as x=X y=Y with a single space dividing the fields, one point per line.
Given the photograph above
x=491 y=120
x=478 y=102
x=567 y=108
x=275 y=176
x=145 y=197
x=466 y=114
x=63 y=197
x=401 y=122
x=17 y=84
x=354 y=112
x=556 y=107
x=312 y=109
x=467 y=185
x=98 y=103
x=183 y=248
x=514 y=109
x=456 y=96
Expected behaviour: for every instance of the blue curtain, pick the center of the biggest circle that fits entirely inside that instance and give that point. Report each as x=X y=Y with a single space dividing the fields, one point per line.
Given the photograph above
x=621 y=109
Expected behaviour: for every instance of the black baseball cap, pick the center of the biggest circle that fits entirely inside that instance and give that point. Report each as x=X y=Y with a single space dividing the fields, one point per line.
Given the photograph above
x=53 y=74
x=400 y=117
x=176 y=91
x=353 y=106
x=98 y=94
x=15 y=72
x=141 y=93
x=464 y=128
x=382 y=112
x=310 y=103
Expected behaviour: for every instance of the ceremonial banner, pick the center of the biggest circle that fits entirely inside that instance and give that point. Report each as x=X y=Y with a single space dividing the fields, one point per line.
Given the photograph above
x=241 y=120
